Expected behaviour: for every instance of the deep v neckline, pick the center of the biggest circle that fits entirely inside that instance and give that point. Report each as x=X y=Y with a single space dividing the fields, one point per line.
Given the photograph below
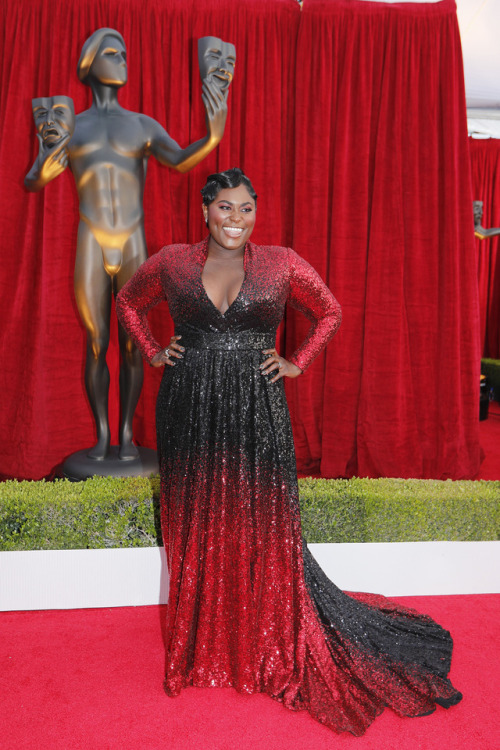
x=245 y=273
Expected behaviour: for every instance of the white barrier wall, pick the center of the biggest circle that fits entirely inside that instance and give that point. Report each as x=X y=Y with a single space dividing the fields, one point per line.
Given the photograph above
x=73 y=579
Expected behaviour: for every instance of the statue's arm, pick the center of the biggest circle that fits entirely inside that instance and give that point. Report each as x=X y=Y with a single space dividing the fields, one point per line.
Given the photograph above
x=169 y=153
x=49 y=163
x=483 y=233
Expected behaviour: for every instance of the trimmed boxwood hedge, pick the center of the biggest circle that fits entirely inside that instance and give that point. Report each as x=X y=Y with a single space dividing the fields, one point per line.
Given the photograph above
x=106 y=512
x=399 y=510
x=98 y=513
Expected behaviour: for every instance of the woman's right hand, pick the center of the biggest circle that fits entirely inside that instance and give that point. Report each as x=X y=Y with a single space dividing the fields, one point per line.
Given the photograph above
x=168 y=355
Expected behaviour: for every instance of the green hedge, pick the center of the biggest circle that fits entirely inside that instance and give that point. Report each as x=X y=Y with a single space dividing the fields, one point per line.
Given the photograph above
x=491 y=368
x=399 y=510
x=101 y=512
x=109 y=512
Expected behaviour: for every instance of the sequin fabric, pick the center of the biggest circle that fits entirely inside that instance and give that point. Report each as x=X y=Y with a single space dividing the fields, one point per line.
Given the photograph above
x=248 y=605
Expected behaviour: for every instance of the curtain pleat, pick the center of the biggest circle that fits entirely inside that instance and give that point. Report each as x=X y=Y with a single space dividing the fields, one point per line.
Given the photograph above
x=349 y=117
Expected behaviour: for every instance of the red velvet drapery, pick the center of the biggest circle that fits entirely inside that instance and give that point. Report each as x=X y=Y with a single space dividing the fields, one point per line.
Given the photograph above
x=349 y=117
x=485 y=160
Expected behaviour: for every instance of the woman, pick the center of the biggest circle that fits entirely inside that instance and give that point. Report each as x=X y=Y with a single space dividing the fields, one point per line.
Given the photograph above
x=248 y=605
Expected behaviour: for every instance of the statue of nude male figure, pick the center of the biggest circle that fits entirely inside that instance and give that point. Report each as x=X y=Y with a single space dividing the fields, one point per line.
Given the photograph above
x=479 y=231
x=108 y=154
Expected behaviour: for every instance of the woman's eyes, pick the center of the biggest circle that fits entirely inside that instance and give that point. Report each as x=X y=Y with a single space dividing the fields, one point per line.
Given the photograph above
x=246 y=209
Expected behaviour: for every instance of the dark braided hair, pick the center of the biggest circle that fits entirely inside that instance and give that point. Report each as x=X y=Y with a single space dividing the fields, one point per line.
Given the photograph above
x=231 y=178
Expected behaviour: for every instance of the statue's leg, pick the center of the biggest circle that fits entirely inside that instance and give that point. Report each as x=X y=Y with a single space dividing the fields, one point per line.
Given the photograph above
x=131 y=368
x=93 y=292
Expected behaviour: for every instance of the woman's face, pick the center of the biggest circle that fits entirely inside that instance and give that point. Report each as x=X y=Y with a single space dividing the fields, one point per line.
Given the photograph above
x=231 y=217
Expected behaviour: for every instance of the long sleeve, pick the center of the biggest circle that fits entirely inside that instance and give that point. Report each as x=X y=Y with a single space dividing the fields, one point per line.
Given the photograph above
x=310 y=295
x=142 y=292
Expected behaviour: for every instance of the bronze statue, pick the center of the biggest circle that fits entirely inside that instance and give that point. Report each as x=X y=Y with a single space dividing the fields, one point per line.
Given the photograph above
x=108 y=153
x=479 y=230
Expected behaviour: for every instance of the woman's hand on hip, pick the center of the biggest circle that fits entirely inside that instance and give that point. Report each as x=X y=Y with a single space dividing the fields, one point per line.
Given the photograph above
x=169 y=355
x=282 y=366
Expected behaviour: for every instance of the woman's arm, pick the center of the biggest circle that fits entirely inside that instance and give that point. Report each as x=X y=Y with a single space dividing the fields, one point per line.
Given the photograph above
x=142 y=292
x=309 y=294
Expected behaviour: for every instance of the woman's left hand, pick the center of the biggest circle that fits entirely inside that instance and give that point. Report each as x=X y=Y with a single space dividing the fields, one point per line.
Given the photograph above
x=283 y=366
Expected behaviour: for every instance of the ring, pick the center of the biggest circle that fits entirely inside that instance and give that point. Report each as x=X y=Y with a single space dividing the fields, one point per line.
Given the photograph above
x=280 y=365
x=167 y=353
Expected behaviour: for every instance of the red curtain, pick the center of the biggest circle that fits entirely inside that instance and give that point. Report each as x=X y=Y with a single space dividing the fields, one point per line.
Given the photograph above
x=382 y=177
x=485 y=159
x=349 y=117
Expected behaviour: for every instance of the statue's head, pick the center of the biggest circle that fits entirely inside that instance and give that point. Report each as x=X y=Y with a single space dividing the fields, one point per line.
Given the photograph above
x=216 y=60
x=103 y=58
x=54 y=118
x=477 y=207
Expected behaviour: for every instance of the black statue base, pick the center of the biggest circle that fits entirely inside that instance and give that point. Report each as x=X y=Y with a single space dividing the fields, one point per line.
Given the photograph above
x=79 y=466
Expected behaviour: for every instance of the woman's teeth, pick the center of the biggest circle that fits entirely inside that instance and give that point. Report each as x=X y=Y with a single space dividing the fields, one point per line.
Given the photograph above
x=233 y=231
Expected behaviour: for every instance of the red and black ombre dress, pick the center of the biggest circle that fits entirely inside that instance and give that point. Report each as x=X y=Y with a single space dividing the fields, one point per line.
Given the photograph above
x=248 y=606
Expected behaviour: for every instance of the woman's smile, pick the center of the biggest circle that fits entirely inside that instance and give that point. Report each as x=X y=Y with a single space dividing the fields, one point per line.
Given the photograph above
x=233 y=231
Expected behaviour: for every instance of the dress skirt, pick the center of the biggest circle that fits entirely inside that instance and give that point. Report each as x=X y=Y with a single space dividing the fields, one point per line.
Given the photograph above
x=249 y=607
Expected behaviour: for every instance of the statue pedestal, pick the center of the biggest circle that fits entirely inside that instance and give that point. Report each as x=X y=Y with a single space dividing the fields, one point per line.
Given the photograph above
x=79 y=466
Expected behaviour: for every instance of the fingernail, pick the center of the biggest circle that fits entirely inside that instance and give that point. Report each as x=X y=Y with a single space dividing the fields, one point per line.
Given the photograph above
x=182 y=349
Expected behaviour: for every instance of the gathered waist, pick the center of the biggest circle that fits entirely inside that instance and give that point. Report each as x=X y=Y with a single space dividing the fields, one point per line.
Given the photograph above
x=226 y=340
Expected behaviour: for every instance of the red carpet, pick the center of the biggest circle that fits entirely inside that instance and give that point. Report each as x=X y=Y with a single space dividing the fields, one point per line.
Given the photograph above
x=489 y=430
x=93 y=679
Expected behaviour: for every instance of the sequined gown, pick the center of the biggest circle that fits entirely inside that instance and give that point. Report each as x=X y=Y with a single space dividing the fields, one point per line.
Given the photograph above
x=248 y=605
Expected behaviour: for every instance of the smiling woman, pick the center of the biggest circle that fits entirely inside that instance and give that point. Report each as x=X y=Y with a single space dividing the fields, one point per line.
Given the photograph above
x=230 y=219
x=248 y=606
